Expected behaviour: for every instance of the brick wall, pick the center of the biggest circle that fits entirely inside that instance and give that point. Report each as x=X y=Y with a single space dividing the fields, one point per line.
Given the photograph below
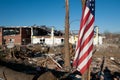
x=16 y=39
x=23 y=37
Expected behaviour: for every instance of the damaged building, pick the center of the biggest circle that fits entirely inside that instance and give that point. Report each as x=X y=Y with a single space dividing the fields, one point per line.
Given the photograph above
x=16 y=35
x=34 y=34
x=45 y=35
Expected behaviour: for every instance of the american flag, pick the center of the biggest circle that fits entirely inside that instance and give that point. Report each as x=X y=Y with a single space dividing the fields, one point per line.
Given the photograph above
x=84 y=46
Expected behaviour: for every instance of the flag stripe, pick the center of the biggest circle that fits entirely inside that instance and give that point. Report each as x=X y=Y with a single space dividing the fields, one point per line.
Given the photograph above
x=84 y=62
x=87 y=30
x=85 y=54
x=78 y=44
x=84 y=46
x=85 y=49
x=77 y=51
x=86 y=66
x=82 y=29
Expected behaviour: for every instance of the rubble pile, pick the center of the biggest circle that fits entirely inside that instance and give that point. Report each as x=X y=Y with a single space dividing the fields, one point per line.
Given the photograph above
x=111 y=55
x=52 y=57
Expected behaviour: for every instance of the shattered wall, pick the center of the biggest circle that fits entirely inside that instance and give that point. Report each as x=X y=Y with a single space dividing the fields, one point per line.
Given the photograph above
x=26 y=35
x=18 y=36
x=12 y=35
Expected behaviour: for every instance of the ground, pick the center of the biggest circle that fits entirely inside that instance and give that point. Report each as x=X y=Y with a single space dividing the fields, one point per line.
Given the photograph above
x=109 y=52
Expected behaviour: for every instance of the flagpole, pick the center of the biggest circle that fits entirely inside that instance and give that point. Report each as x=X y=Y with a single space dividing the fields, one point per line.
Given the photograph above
x=86 y=75
x=83 y=4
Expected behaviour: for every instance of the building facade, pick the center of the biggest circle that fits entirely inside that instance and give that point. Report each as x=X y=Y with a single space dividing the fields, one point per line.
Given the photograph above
x=30 y=35
x=16 y=35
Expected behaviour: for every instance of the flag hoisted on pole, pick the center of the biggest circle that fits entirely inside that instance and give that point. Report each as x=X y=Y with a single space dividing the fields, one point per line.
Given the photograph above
x=84 y=46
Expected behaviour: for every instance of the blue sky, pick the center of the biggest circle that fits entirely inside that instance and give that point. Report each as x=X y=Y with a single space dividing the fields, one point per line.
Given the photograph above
x=52 y=13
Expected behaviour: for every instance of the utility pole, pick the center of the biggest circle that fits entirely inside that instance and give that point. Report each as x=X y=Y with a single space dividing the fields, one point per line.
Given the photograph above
x=67 y=51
